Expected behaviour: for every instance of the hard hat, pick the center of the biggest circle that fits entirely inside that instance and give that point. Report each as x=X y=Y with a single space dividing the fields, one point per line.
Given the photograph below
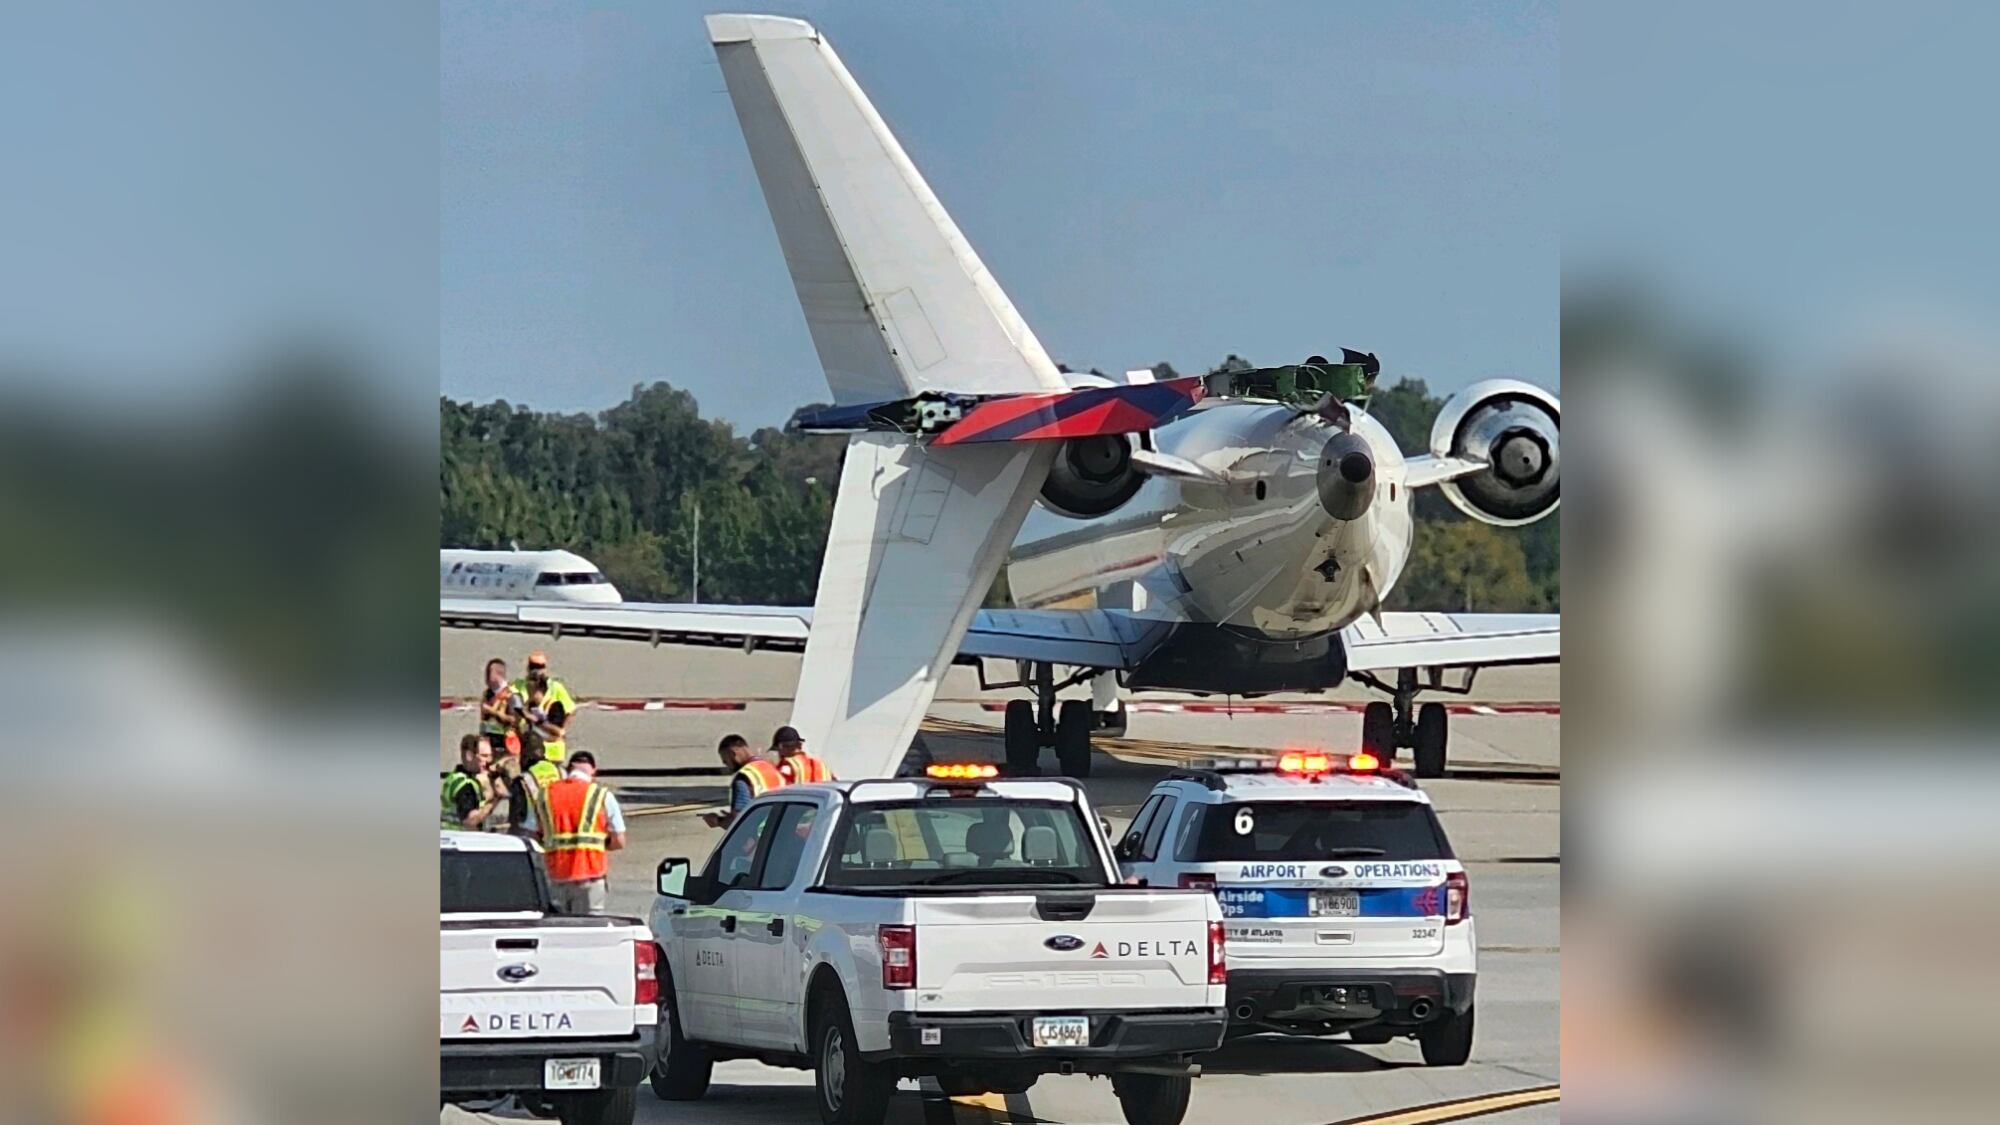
x=538 y=659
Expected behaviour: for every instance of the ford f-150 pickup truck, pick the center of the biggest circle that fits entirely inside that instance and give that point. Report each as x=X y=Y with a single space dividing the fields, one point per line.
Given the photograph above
x=559 y=1012
x=956 y=926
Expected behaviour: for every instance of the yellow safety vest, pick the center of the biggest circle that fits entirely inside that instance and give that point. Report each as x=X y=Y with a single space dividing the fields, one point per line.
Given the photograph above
x=557 y=693
x=454 y=782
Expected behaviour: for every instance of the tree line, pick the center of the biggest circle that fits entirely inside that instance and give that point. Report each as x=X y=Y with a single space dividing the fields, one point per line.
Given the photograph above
x=624 y=487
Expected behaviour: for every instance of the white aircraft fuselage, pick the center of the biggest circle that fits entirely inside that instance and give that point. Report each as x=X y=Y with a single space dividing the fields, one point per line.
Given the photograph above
x=1255 y=550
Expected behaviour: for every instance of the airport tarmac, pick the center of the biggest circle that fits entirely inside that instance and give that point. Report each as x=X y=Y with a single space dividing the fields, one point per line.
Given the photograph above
x=1504 y=817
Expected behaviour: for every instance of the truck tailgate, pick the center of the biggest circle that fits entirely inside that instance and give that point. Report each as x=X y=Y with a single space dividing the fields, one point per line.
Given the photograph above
x=556 y=978
x=1124 y=949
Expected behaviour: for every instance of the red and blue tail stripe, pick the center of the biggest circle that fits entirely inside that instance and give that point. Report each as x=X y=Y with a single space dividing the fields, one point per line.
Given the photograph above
x=1088 y=412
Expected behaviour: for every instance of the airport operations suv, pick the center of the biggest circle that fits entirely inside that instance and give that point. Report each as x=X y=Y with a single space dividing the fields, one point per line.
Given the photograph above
x=958 y=925
x=1345 y=909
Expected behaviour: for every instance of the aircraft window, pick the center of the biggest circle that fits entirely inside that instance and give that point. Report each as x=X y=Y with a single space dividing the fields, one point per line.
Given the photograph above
x=550 y=578
x=583 y=578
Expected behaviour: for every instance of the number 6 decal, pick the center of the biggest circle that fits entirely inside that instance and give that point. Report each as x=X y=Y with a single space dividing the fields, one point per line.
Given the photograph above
x=1245 y=821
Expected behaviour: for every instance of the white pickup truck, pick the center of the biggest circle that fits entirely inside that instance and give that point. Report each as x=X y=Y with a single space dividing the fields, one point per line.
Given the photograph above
x=967 y=929
x=559 y=1012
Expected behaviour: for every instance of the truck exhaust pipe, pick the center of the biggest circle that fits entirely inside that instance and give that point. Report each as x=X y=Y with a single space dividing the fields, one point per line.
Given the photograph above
x=1421 y=1009
x=1245 y=1012
x=1346 y=477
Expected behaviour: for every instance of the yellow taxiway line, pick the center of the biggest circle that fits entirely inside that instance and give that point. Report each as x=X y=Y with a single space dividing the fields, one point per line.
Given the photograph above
x=1460 y=1109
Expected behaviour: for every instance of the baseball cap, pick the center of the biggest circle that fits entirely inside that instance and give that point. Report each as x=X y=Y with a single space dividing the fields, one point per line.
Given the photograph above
x=786 y=734
x=538 y=659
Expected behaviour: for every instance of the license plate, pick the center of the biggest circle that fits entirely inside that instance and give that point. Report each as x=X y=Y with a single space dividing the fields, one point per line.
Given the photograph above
x=1062 y=1031
x=1336 y=904
x=570 y=1074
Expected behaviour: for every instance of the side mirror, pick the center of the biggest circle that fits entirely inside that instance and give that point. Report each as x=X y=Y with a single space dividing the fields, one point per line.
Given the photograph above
x=1122 y=851
x=1104 y=823
x=671 y=877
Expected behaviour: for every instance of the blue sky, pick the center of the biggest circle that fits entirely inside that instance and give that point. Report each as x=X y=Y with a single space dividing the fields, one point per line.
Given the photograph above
x=1147 y=181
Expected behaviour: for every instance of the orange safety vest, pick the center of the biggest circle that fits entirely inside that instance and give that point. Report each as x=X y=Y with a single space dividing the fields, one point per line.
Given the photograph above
x=763 y=776
x=804 y=769
x=574 y=829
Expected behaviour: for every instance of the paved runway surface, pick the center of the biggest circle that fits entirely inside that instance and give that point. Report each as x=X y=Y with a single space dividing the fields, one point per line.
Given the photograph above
x=1503 y=817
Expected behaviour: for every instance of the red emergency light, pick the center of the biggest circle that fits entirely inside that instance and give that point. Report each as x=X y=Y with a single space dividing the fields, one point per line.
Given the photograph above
x=1303 y=762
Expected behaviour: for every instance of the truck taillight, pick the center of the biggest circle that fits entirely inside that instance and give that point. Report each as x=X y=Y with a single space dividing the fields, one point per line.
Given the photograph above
x=1457 y=898
x=645 y=972
x=1199 y=882
x=1218 y=954
x=899 y=956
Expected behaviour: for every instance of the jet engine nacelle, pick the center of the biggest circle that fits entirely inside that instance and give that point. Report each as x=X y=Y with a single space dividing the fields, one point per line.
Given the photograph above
x=1092 y=476
x=1513 y=426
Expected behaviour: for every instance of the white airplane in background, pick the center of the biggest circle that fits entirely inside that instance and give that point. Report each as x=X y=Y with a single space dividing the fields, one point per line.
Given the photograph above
x=541 y=576
x=1231 y=542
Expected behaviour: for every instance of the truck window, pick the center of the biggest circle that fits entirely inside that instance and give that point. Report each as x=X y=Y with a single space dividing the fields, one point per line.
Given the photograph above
x=1307 y=830
x=961 y=843
x=1149 y=848
x=736 y=857
x=787 y=846
x=489 y=883
x=1135 y=833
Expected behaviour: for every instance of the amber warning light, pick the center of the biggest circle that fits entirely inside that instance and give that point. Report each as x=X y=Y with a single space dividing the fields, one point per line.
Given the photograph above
x=962 y=771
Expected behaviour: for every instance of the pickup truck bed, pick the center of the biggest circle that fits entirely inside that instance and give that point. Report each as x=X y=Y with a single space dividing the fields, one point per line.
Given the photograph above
x=557 y=1011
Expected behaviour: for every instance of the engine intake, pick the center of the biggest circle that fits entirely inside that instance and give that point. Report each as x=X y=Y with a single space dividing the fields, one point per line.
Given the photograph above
x=1092 y=476
x=1514 y=427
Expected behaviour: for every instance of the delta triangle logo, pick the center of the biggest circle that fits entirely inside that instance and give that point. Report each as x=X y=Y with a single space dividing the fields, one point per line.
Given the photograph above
x=470 y=1024
x=1098 y=951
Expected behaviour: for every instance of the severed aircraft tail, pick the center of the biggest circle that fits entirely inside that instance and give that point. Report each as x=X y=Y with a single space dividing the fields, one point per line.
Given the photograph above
x=899 y=306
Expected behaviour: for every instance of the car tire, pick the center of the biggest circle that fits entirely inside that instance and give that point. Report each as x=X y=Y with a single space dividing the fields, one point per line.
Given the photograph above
x=1430 y=740
x=1448 y=1041
x=1073 y=723
x=849 y=1089
x=1152 y=1099
x=1378 y=731
x=615 y=1106
x=1023 y=741
x=683 y=1070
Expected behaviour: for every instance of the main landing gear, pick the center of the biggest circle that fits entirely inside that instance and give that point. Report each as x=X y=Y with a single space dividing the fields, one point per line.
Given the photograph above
x=1385 y=726
x=1046 y=722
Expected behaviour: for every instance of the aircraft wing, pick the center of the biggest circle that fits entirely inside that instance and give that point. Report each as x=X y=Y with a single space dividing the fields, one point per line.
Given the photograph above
x=1452 y=640
x=1084 y=638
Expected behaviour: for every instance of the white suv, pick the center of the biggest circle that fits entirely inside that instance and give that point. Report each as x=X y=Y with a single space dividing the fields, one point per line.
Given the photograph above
x=1345 y=909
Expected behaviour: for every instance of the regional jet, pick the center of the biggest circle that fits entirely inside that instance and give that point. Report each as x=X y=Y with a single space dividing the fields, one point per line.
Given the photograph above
x=1234 y=533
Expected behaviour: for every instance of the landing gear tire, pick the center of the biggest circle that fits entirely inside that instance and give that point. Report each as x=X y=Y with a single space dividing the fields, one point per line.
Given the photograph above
x=1430 y=740
x=1073 y=723
x=1448 y=1042
x=617 y=1105
x=1152 y=1099
x=1378 y=731
x=1022 y=740
x=683 y=1071
x=852 y=1090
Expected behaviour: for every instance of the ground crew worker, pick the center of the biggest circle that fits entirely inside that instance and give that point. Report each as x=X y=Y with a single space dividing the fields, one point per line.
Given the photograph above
x=550 y=706
x=752 y=775
x=466 y=798
x=536 y=774
x=580 y=824
x=797 y=766
x=496 y=714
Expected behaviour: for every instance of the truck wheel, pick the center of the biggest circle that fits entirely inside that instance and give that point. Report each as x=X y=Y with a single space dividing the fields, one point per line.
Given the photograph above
x=852 y=1090
x=1447 y=1042
x=1073 y=723
x=1430 y=750
x=1152 y=1099
x=1022 y=740
x=615 y=1106
x=682 y=1073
